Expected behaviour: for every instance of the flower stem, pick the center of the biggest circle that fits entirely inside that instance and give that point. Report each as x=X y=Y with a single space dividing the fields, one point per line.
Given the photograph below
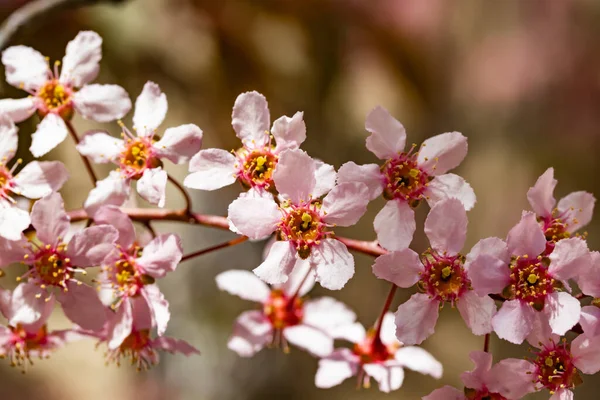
x=229 y=243
x=85 y=160
x=310 y=270
x=186 y=195
x=486 y=343
x=386 y=307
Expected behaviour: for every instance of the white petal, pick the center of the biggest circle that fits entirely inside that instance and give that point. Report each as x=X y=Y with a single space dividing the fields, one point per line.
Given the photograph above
x=29 y=305
x=334 y=264
x=310 y=339
x=18 y=109
x=112 y=190
x=388 y=330
x=294 y=175
x=211 y=169
x=345 y=204
x=179 y=144
x=395 y=225
x=254 y=217
x=243 y=284
x=252 y=331
x=327 y=314
x=9 y=139
x=450 y=186
x=13 y=221
x=303 y=273
x=250 y=119
x=102 y=103
x=335 y=368
x=402 y=268
x=49 y=134
x=325 y=177
x=514 y=321
x=39 y=179
x=100 y=147
x=563 y=311
x=586 y=353
x=443 y=152
x=152 y=186
x=389 y=377
x=150 y=109
x=388 y=136
x=278 y=264
x=25 y=67
x=289 y=133
x=80 y=64
x=120 y=325
x=419 y=360
x=590 y=320
x=576 y=209
x=369 y=174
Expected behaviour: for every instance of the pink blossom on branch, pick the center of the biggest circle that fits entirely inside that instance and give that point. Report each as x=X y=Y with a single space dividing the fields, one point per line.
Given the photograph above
x=440 y=275
x=57 y=96
x=302 y=221
x=139 y=156
x=406 y=178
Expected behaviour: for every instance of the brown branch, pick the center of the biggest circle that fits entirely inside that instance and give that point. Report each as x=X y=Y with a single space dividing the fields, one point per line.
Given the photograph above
x=229 y=243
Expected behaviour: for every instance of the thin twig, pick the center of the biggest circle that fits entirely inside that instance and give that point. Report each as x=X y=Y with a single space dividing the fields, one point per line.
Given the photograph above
x=486 y=343
x=85 y=160
x=186 y=195
x=229 y=243
x=384 y=310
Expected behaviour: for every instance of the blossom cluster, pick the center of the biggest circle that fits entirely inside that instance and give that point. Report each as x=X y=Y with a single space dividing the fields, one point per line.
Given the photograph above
x=519 y=288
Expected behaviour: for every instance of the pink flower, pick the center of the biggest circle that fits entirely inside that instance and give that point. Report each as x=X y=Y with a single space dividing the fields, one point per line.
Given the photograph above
x=56 y=97
x=532 y=282
x=508 y=380
x=302 y=221
x=380 y=357
x=406 y=178
x=572 y=213
x=129 y=273
x=21 y=342
x=53 y=262
x=441 y=277
x=284 y=316
x=253 y=164
x=138 y=157
x=35 y=180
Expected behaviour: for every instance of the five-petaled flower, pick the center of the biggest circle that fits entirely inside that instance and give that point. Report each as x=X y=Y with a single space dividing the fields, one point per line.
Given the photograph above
x=57 y=96
x=138 y=156
x=406 y=178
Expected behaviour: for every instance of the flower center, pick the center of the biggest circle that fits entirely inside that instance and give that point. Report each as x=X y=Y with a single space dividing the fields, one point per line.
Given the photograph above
x=52 y=267
x=124 y=275
x=372 y=349
x=24 y=342
x=303 y=226
x=444 y=277
x=530 y=281
x=5 y=180
x=137 y=156
x=282 y=310
x=555 y=369
x=138 y=348
x=404 y=179
x=55 y=98
x=257 y=167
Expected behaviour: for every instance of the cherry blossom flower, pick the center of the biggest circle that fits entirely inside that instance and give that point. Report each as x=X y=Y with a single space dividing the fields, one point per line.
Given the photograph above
x=301 y=221
x=139 y=155
x=572 y=213
x=56 y=96
x=285 y=317
x=376 y=355
x=508 y=380
x=20 y=343
x=129 y=274
x=53 y=261
x=440 y=275
x=253 y=164
x=407 y=177
x=35 y=180
x=532 y=283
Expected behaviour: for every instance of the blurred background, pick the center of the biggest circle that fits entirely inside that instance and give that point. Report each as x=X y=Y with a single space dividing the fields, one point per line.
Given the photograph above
x=521 y=79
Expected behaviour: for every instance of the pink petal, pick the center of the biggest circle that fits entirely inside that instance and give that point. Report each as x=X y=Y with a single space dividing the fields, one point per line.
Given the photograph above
x=289 y=133
x=161 y=255
x=243 y=284
x=252 y=331
x=211 y=169
x=576 y=209
x=541 y=196
x=590 y=320
x=250 y=119
x=294 y=175
x=179 y=144
x=152 y=186
x=569 y=258
x=476 y=379
x=388 y=136
x=101 y=147
x=327 y=314
x=354 y=333
x=120 y=325
x=90 y=246
x=102 y=103
x=563 y=311
x=416 y=319
x=9 y=139
x=29 y=306
x=562 y=394
x=49 y=218
x=446 y=226
x=514 y=321
x=334 y=264
x=335 y=368
x=25 y=67
x=345 y=204
x=388 y=329
x=112 y=190
x=511 y=378
x=39 y=179
x=150 y=109
x=445 y=393
x=111 y=215
x=586 y=353
x=13 y=221
x=441 y=153
x=14 y=250
x=302 y=273
x=488 y=274
x=449 y=186
x=389 y=377
x=368 y=174
x=5 y=302
x=526 y=238
x=402 y=268
x=325 y=177
x=18 y=110
x=395 y=225
x=82 y=306
x=254 y=217
x=278 y=264
x=589 y=279
x=81 y=62
x=174 y=346
x=310 y=339
x=419 y=360
x=159 y=308
x=477 y=312
x=49 y=134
